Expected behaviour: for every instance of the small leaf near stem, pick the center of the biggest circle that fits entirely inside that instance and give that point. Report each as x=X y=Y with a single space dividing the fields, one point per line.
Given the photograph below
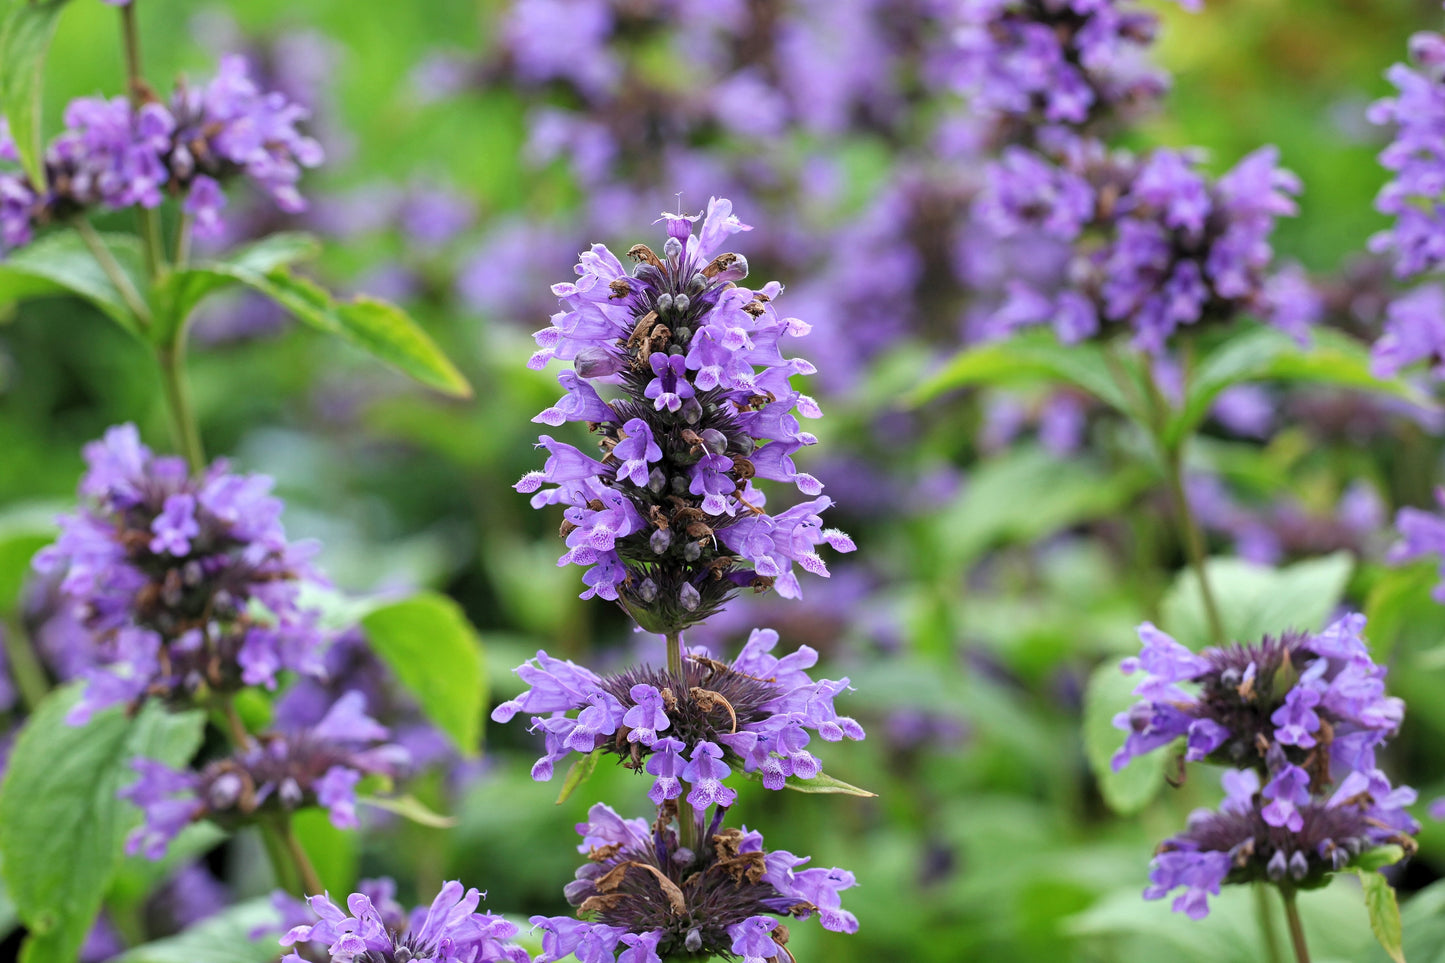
x=1296 y=928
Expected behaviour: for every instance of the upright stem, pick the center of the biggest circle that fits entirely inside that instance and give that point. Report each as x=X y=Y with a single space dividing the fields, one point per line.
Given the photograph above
x=1264 y=913
x=150 y=225
x=1296 y=928
x=178 y=400
x=183 y=242
x=309 y=880
x=25 y=667
x=686 y=818
x=1172 y=453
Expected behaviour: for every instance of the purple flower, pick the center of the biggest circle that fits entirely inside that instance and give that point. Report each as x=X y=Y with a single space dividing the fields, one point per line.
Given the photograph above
x=1422 y=534
x=756 y=713
x=448 y=931
x=180 y=582
x=648 y=899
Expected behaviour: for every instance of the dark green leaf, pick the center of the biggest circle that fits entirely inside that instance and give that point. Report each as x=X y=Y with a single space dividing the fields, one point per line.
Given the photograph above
x=822 y=783
x=60 y=263
x=436 y=654
x=223 y=938
x=1130 y=789
x=580 y=772
x=1384 y=911
x=409 y=807
x=25 y=34
x=1036 y=356
x=61 y=824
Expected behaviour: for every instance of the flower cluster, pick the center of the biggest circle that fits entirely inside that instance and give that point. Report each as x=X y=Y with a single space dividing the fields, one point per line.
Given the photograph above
x=1154 y=243
x=185 y=584
x=374 y=927
x=668 y=521
x=276 y=774
x=654 y=900
x=1055 y=66
x=116 y=154
x=1301 y=717
x=756 y=713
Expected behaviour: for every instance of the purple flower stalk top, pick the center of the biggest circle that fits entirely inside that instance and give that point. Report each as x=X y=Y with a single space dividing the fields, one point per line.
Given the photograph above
x=1055 y=65
x=756 y=713
x=1301 y=717
x=1156 y=245
x=113 y=154
x=373 y=928
x=185 y=584
x=279 y=773
x=644 y=898
x=668 y=520
x=1246 y=841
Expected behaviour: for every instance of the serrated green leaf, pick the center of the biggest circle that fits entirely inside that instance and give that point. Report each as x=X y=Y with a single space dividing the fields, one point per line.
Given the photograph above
x=821 y=784
x=409 y=807
x=222 y=938
x=1384 y=911
x=1035 y=356
x=60 y=263
x=579 y=773
x=1255 y=599
x=25 y=34
x=1267 y=354
x=61 y=824
x=437 y=655
x=1129 y=790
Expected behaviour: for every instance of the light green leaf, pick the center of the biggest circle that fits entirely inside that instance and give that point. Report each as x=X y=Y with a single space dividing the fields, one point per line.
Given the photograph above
x=60 y=263
x=1378 y=858
x=409 y=807
x=25 y=33
x=1034 y=356
x=223 y=938
x=61 y=824
x=822 y=783
x=1384 y=911
x=335 y=854
x=437 y=655
x=182 y=291
x=579 y=773
x=1268 y=354
x=1255 y=600
x=1129 y=790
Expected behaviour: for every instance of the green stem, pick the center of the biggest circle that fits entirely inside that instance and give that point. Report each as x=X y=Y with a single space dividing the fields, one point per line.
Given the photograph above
x=686 y=818
x=1296 y=928
x=1171 y=452
x=178 y=400
x=113 y=270
x=150 y=225
x=183 y=242
x=25 y=667
x=310 y=881
x=1268 y=932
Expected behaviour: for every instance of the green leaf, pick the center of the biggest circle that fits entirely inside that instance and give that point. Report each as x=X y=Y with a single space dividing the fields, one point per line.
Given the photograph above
x=61 y=824
x=1034 y=356
x=436 y=654
x=820 y=784
x=1268 y=354
x=223 y=938
x=1129 y=790
x=1378 y=858
x=409 y=807
x=60 y=263
x=24 y=530
x=1384 y=911
x=335 y=854
x=25 y=35
x=580 y=772
x=182 y=291
x=1254 y=599
x=380 y=328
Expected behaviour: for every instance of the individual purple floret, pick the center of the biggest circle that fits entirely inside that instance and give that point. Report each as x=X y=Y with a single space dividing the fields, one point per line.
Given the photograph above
x=1319 y=700
x=756 y=713
x=668 y=521
x=1422 y=534
x=186 y=585
x=1156 y=244
x=1243 y=842
x=278 y=773
x=645 y=898
x=448 y=931
x=1414 y=331
x=115 y=154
